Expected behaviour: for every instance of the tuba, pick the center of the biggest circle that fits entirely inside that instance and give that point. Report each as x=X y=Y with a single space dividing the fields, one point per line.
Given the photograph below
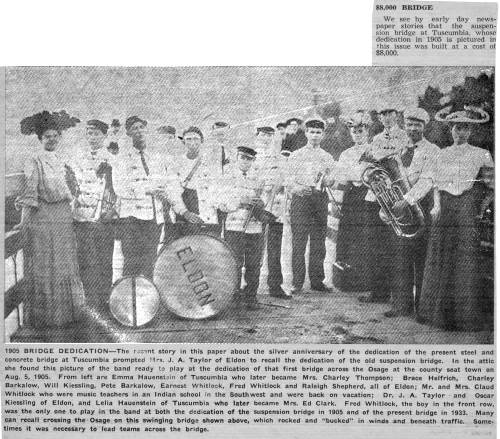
x=387 y=180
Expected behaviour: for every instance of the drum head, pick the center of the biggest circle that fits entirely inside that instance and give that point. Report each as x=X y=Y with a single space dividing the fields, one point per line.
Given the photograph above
x=134 y=301
x=196 y=276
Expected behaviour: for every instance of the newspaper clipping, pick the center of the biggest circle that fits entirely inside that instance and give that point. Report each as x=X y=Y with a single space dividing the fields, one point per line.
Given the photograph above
x=254 y=251
x=444 y=33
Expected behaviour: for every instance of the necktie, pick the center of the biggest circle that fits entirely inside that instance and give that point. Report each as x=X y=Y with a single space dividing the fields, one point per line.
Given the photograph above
x=407 y=157
x=223 y=158
x=144 y=164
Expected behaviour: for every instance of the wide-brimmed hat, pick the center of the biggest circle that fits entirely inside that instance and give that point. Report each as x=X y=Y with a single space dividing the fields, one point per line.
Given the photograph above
x=41 y=122
x=469 y=114
x=360 y=118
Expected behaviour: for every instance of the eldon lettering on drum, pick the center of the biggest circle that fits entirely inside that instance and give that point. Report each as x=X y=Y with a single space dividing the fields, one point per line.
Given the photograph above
x=194 y=275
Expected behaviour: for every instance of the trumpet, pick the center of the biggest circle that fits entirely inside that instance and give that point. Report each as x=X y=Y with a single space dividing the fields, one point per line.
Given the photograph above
x=389 y=184
x=321 y=186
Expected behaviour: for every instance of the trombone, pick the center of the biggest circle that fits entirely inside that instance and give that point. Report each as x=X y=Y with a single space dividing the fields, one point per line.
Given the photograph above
x=251 y=210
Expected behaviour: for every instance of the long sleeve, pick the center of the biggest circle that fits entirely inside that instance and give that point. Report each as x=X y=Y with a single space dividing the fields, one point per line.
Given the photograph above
x=419 y=190
x=29 y=195
x=425 y=181
x=422 y=171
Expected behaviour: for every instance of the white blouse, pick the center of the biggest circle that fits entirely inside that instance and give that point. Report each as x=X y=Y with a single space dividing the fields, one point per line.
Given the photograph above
x=459 y=166
x=349 y=169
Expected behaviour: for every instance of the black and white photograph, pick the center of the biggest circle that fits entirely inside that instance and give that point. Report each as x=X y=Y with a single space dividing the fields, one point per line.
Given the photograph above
x=301 y=205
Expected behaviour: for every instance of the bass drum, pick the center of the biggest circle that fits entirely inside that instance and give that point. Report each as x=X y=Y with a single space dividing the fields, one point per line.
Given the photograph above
x=196 y=276
x=134 y=301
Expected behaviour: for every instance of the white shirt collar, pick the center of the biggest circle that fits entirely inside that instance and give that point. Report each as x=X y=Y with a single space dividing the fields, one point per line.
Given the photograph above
x=461 y=146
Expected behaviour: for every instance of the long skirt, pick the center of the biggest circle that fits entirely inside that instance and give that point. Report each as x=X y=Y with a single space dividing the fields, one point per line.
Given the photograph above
x=55 y=295
x=450 y=293
x=381 y=249
x=353 y=254
x=95 y=243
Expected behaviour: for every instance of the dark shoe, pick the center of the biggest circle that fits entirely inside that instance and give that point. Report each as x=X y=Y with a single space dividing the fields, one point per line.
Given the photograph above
x=279 y=293
x=373 y=299
x=322 y=288
x=296 y=290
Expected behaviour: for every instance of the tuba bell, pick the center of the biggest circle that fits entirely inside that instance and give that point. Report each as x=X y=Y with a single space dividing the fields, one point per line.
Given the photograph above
x=388 y=182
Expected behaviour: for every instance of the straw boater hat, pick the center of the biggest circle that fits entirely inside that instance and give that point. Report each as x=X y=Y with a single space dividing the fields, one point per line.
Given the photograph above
x=468 y=115
x=360 y=118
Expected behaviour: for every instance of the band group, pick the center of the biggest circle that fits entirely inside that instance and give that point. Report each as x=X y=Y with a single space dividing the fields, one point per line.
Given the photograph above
x=408 y=229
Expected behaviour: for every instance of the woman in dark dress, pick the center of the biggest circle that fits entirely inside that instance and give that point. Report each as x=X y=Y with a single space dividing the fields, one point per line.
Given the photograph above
x=351 y=271
x=55 y=296
x=451 y=296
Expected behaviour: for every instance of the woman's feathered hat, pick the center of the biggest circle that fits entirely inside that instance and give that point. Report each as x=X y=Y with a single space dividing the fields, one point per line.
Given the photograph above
x=360 y=118
x=41 y=122
x=469 y=114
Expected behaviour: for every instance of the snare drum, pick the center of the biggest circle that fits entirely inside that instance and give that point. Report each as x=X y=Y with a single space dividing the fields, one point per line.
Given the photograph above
x=134 y=301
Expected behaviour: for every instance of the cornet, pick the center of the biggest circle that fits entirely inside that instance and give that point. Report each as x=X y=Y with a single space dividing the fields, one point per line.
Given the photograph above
x=320 y=186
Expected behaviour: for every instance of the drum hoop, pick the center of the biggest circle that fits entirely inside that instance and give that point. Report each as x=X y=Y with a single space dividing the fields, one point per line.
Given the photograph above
x=222 y=241
x=158 y=308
